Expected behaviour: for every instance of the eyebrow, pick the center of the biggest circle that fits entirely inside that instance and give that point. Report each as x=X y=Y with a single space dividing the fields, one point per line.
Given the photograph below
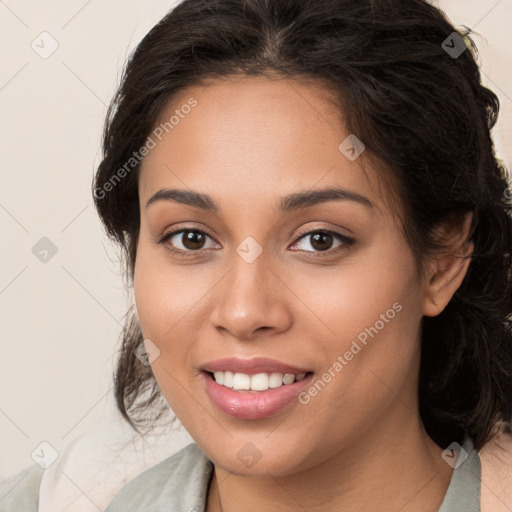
x=289 y=203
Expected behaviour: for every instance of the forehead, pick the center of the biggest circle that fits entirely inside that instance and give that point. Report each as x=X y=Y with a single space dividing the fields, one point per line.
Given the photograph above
x=253 y=138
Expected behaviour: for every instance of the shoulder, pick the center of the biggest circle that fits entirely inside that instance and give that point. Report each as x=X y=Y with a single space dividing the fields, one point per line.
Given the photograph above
x=20 y=492
x=496 y=459
x=179 y=482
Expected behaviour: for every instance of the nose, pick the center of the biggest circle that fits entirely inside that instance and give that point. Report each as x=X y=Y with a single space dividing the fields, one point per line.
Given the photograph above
x=252 y=301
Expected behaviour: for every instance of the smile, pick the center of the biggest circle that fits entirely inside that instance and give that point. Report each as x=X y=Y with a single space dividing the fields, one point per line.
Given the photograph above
x=256 y=382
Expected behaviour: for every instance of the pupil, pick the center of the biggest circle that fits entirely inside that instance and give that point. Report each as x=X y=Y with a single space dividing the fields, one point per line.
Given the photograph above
x=319 y=241
x=193 y=240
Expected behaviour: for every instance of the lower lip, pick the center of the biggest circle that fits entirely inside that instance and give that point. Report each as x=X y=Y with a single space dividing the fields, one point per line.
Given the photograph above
x=253 y=405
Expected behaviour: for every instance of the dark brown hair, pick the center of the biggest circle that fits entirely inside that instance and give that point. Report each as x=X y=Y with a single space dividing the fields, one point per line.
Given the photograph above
x=420 y=110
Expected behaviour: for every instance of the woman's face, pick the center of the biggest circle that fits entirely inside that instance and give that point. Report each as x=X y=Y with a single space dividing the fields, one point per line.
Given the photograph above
x=267 y=280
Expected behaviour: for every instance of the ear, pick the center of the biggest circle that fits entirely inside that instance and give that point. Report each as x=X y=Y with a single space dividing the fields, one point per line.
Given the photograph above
x=448 y=270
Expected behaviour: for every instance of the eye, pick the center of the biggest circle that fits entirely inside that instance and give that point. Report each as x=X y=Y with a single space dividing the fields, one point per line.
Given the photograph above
x=321 y=241
x=185 y=240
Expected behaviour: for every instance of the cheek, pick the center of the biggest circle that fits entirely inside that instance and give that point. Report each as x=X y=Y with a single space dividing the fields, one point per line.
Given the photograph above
x=159 y=286
x=381 y=336
x=354 y=296
x=164 y=298
x=370 y=312
x=170 y=301
x=163 y=295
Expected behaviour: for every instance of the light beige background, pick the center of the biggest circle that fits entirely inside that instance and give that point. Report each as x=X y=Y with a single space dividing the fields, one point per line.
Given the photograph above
x=60 y=320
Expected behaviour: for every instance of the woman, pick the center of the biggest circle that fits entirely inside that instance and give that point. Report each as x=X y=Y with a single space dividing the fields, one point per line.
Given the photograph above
x=319 y=238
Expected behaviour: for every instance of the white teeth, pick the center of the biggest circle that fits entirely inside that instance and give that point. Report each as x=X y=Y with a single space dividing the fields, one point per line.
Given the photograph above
x=289 y=378
x=228 y=379
x=275 y=380
x=241 y=381
x=256 y=382
x=259 y=382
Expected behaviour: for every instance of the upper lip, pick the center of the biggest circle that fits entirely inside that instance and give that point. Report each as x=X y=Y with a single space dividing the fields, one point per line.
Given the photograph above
x=251 y=366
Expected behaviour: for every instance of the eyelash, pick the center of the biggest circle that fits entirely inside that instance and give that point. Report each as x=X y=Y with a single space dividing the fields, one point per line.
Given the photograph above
x=347 y=242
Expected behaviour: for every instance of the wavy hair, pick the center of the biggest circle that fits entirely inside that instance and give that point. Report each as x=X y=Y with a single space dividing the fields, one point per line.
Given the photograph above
x=421 y=111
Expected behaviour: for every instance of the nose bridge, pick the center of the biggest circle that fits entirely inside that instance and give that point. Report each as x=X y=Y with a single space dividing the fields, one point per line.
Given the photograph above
x=249 y=298
x=245 y=290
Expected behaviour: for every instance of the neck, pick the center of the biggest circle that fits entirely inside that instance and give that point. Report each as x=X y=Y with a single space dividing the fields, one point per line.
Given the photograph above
x=386 y=469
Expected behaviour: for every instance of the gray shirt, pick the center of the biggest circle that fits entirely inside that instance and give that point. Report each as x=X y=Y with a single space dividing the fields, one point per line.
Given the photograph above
x=180 y=483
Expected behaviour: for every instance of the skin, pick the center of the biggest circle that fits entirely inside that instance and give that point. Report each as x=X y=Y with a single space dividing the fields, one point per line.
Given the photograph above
x=359 y=444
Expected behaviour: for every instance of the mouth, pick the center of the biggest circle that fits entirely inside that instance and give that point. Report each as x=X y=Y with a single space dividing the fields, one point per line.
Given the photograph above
x=254 y=404
x=256 y=382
